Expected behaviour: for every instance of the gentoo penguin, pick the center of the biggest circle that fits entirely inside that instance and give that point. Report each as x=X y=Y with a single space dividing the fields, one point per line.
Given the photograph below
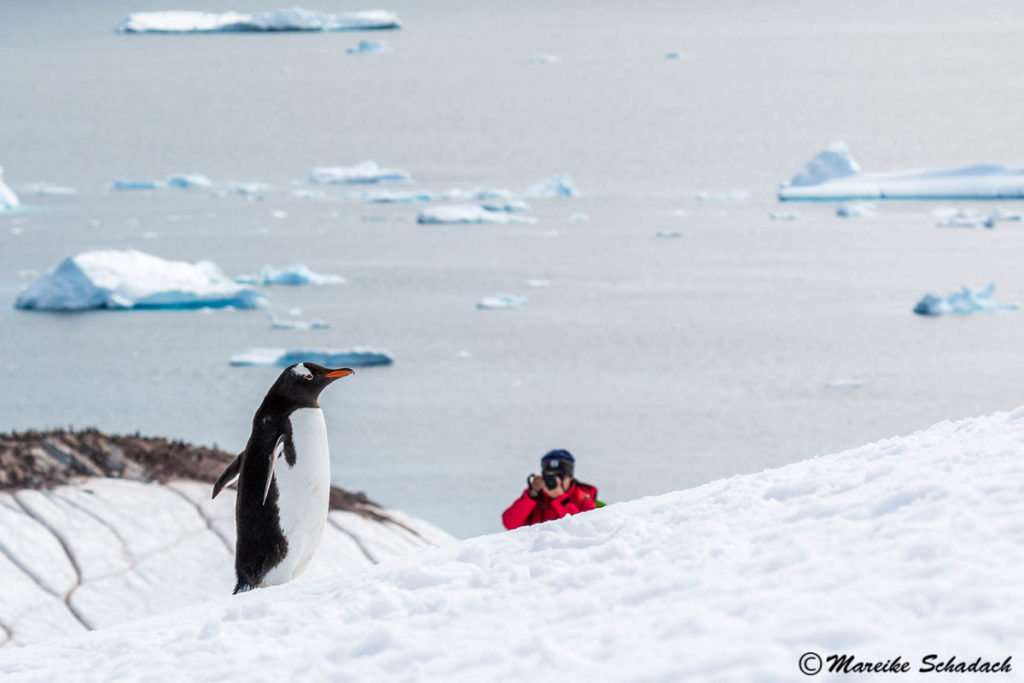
x=284 y=480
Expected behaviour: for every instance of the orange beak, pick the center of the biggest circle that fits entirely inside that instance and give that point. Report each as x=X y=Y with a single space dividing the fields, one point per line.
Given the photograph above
x=340 y=372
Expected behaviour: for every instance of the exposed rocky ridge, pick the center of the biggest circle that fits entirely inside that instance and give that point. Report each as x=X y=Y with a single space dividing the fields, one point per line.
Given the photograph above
x=35 y=459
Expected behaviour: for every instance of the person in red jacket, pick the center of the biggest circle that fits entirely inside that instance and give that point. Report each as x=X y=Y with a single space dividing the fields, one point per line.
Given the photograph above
x=552 y=494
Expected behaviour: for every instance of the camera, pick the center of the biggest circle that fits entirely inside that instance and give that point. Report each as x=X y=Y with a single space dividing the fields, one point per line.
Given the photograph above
x=550 y=481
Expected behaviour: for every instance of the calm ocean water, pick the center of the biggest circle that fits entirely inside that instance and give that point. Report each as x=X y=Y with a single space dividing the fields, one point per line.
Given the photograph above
x=662 y=363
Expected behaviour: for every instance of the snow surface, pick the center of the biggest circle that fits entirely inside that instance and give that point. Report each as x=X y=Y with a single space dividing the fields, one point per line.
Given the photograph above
x=966 y=300
x=905 y=547
x=834 y=175
x=109 y=550
x=282 y=358
x=294 y=19
x=133 y=279
x=8 y=200
x=468 y=214
x=366 y=172
x=298 y=274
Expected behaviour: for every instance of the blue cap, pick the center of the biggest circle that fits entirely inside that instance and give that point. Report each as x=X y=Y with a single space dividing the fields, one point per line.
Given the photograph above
x=560 y=461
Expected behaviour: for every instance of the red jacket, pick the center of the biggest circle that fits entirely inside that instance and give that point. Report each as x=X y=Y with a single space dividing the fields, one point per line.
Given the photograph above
x=525 y=511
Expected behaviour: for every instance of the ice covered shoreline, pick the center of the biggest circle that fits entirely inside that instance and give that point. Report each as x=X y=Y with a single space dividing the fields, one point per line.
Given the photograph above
x=906 y=546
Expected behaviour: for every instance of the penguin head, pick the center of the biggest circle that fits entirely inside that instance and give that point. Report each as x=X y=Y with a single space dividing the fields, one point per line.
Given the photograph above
x=301 y=384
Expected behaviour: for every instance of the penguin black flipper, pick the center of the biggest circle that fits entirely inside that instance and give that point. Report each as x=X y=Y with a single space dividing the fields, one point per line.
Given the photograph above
x=229 y=474
x=279 y=448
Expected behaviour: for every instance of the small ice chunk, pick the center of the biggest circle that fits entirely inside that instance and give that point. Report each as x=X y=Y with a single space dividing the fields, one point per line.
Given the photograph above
x=282 y=358
x=477 y=194
x=294 y=19
x=537 y=284
x=391 y=197
x=124 y=184
x=966 y=300
x=668 y=234
x=675 y=54
x=279 y=324
x=733 y=195
x=133 y=279
x=279 y=214
x=501 y=301
x=558 y=185
x=186 y=180
x=966 y=218
x=545 y=59
x=466 y=214
x=783 y=216
x=298 y=274
x=856 y=210
x=369 y=47
x=366 y=172
x=508 y=205
x=306 y=193
x=44 y=188
x=248 y=188
x=579 y=218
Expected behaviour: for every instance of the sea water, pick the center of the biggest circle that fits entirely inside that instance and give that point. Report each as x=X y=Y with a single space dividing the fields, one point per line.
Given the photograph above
x=738 y=343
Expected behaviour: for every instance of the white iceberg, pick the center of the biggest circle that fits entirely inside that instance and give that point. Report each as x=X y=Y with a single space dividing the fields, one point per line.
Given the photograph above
x=507 y=205
x=466 y=214
x=294 y=19
x=281 y=358
x=44 y=188
x=558 y=185
x=366 y=172
x=8 y=200
x=298 y=274
x=501 y=301
x=285 y=324
x=855 y=210
x=834 y=175
x=186 y=180
x=476 y=194
x=133 y=279
x=390 y=197
x=369 y=47
x=966 y=300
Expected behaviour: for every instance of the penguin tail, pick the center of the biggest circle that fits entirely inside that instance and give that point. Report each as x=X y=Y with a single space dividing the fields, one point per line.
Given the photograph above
x=242 y=587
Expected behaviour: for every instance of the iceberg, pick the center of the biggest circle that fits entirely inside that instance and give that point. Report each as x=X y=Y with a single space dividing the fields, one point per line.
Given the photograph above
x=508 y=205
x=500 y=301
x=8 y=200
x=133 y=279
x=972 y=218
x=294 y=19
x=966 y=300
x=123 y=184
x=279 y=324
x=298 y=274
x=558 y=185
x=186 y=180
x=369 y=47
x=389 y=197
x=855 y=210
x=833 y=175
x=467 y=214
x=281 y=358
x=366 y=172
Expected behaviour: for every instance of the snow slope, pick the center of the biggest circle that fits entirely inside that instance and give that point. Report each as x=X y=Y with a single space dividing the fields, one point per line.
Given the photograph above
x=834 y=175
x=905 y=547
x=100 y=553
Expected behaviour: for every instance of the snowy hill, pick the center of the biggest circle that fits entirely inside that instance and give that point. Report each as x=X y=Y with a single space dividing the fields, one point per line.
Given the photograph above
x=907 y=547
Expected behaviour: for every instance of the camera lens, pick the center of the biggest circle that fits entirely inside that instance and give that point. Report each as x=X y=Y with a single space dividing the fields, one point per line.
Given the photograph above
x=550 y=481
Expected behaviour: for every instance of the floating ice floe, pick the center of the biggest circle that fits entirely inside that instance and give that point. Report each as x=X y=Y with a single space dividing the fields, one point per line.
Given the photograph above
x=966 y=300
x=508 y=205
x=538 y=284
x=294 y=19
x=298 y=274
x=369 y=47
x=668 y=234
x=8 y=200
x=855 y=210
x=281 y=358
x=500 y=301
x=306 y=193
x=466 y=214
x=124 y=184
x=834 y=175
x=476 y=194
x=675 y=54
x=366 y=172
x=558 y=185
x=43 y=188
x=390 y=197
x=186 y=180
x=734 y=195
x=972 y=218
x=285 y=324
x=579 y=218
x=133 y=279
x=247 y=188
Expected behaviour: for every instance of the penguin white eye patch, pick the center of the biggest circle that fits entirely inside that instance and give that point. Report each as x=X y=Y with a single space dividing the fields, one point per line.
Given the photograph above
x=302 y=371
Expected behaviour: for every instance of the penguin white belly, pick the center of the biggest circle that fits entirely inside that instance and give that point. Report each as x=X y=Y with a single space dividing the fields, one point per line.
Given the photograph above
x=304 y=492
